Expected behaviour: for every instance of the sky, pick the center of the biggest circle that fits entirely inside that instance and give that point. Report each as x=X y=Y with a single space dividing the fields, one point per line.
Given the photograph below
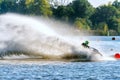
x=97 y=3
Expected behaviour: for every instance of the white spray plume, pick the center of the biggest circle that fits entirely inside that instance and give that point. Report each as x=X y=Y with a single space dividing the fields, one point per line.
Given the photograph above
x=32 y=37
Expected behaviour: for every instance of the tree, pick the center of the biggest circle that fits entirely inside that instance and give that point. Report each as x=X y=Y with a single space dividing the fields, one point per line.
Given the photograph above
x=104 y=14
x=102 y=27
x=81 y=24
x=78 y=23
x=45 y=9
x=114 y=24
x=63 y=13
x=118 y=29
x=21 y=6
x=105 y=29
x=56 y=3
x=28 y=2
x=7 y=6
x=17 y=6
x=82 y=8
x=39 y=7
x=116 y=3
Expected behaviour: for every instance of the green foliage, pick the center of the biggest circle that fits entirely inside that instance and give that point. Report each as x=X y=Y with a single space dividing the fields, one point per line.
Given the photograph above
x=63 y=13
x=38 y=7
x=1 y=1
x=34 y=7
x=28 y=2
x=82 y=8
x=20 y=7
x=12 y=6
x=108 y=14
x=80 y=13
x=103 y=27
x=114 y=24
x=78 y=8
x=81 y=24
x=45 y=8
x=78 y=23
x=119 y=29
x=103 y=14
x=6 y=6
x=116 y=3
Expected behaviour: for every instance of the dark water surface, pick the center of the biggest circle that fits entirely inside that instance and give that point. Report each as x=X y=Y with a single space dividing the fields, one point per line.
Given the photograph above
x=55 y=70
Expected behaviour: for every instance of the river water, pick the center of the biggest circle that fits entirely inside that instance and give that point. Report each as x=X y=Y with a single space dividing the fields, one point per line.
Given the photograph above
x=55 y=70
x=64 y=70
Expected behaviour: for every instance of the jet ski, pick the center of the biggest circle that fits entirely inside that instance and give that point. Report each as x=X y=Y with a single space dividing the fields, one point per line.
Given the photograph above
x=95 y=51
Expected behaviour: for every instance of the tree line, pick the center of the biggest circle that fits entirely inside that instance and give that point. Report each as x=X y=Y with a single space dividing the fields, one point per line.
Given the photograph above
x=102 y=20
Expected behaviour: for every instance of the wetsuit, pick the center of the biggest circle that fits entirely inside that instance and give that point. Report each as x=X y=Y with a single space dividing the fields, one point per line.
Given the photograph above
x=85 y=45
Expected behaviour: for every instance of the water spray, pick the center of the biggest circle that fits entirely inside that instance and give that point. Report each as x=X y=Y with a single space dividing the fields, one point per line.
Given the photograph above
x=24 y=35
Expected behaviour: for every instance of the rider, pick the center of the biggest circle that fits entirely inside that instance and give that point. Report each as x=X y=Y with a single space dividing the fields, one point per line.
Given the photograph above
x=85 y=44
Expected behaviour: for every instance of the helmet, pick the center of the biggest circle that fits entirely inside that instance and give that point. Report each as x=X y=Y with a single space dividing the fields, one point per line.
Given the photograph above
x=87 y=42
